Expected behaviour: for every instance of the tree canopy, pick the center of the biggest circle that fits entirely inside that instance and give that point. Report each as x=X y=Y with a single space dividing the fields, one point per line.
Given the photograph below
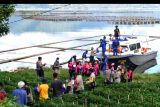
x=5 y=12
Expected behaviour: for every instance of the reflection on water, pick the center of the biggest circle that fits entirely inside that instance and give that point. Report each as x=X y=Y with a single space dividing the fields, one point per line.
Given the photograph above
x=145 y=66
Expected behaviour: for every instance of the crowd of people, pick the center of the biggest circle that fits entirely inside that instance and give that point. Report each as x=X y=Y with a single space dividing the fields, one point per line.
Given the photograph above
x=88 y=67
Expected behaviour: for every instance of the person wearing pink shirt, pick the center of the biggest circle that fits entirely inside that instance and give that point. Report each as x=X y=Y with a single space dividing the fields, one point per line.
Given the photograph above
x=84 y=70
x=96 y=68
x=78 y=67
x=72 y=68
x=130 y=74
x=88 y=66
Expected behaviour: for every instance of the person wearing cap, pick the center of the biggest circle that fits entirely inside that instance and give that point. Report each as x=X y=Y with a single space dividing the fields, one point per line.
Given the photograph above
x=39 y=67
x=43 y=90
x=56 y=66
x=21 y=94
x=116 y=32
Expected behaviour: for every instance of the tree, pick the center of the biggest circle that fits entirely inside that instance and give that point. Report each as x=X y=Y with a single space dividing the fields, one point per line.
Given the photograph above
x=5 y=12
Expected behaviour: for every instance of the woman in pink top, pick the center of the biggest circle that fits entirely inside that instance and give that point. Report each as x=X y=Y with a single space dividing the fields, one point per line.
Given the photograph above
x=72 y=68
x=130 y=74
x=96 y=68
x=78 y=67
x=112 y=67
x=89 y=66
x=84 y=68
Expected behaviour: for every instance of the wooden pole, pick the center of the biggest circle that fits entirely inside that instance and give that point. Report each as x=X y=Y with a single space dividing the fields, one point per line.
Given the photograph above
x=24 y=57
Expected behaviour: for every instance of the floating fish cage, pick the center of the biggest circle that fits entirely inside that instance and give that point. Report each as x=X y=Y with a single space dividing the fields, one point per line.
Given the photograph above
x=119 y=20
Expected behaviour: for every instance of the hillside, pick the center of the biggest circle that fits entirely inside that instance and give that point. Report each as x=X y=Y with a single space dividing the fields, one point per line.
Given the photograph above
x=143 y=91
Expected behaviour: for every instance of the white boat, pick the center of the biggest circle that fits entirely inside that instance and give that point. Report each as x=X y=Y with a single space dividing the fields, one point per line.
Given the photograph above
x=132 y=51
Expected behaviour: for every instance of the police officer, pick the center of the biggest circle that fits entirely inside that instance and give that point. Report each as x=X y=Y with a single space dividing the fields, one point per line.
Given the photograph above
x=115 y=45
x=116 y=32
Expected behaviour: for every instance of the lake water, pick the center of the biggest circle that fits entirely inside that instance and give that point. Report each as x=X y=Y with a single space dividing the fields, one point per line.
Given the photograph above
x=31 y=32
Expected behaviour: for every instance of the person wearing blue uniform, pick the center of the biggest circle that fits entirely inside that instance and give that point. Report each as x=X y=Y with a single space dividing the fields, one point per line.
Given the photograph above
x=115 y=45
x=103 y=45
x=104 y=63
x=84 y=56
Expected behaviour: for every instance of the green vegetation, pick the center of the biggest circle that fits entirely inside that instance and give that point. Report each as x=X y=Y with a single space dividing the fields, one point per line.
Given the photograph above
x=5 y=12
x=143 y=91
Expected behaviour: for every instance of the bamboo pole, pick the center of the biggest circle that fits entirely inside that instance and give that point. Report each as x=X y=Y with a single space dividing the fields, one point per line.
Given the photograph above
x=62 y=48
x=62 y=63
x=8 y=50
x=24 y=57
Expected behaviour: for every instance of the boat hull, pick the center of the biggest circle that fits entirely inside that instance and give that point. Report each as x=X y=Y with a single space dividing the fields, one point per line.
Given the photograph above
x=130 y=59
x=145 y=66
x=141 y=59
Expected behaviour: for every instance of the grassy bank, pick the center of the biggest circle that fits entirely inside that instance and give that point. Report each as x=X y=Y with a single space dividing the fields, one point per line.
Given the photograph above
x=143 y=91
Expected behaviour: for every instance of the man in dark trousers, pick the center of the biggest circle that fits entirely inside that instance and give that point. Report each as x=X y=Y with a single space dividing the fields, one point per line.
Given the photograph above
x=116 y=32
x=56 y=86
x=115 y=45
x=56 y=66
x=39 y=67
x=103 y=45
